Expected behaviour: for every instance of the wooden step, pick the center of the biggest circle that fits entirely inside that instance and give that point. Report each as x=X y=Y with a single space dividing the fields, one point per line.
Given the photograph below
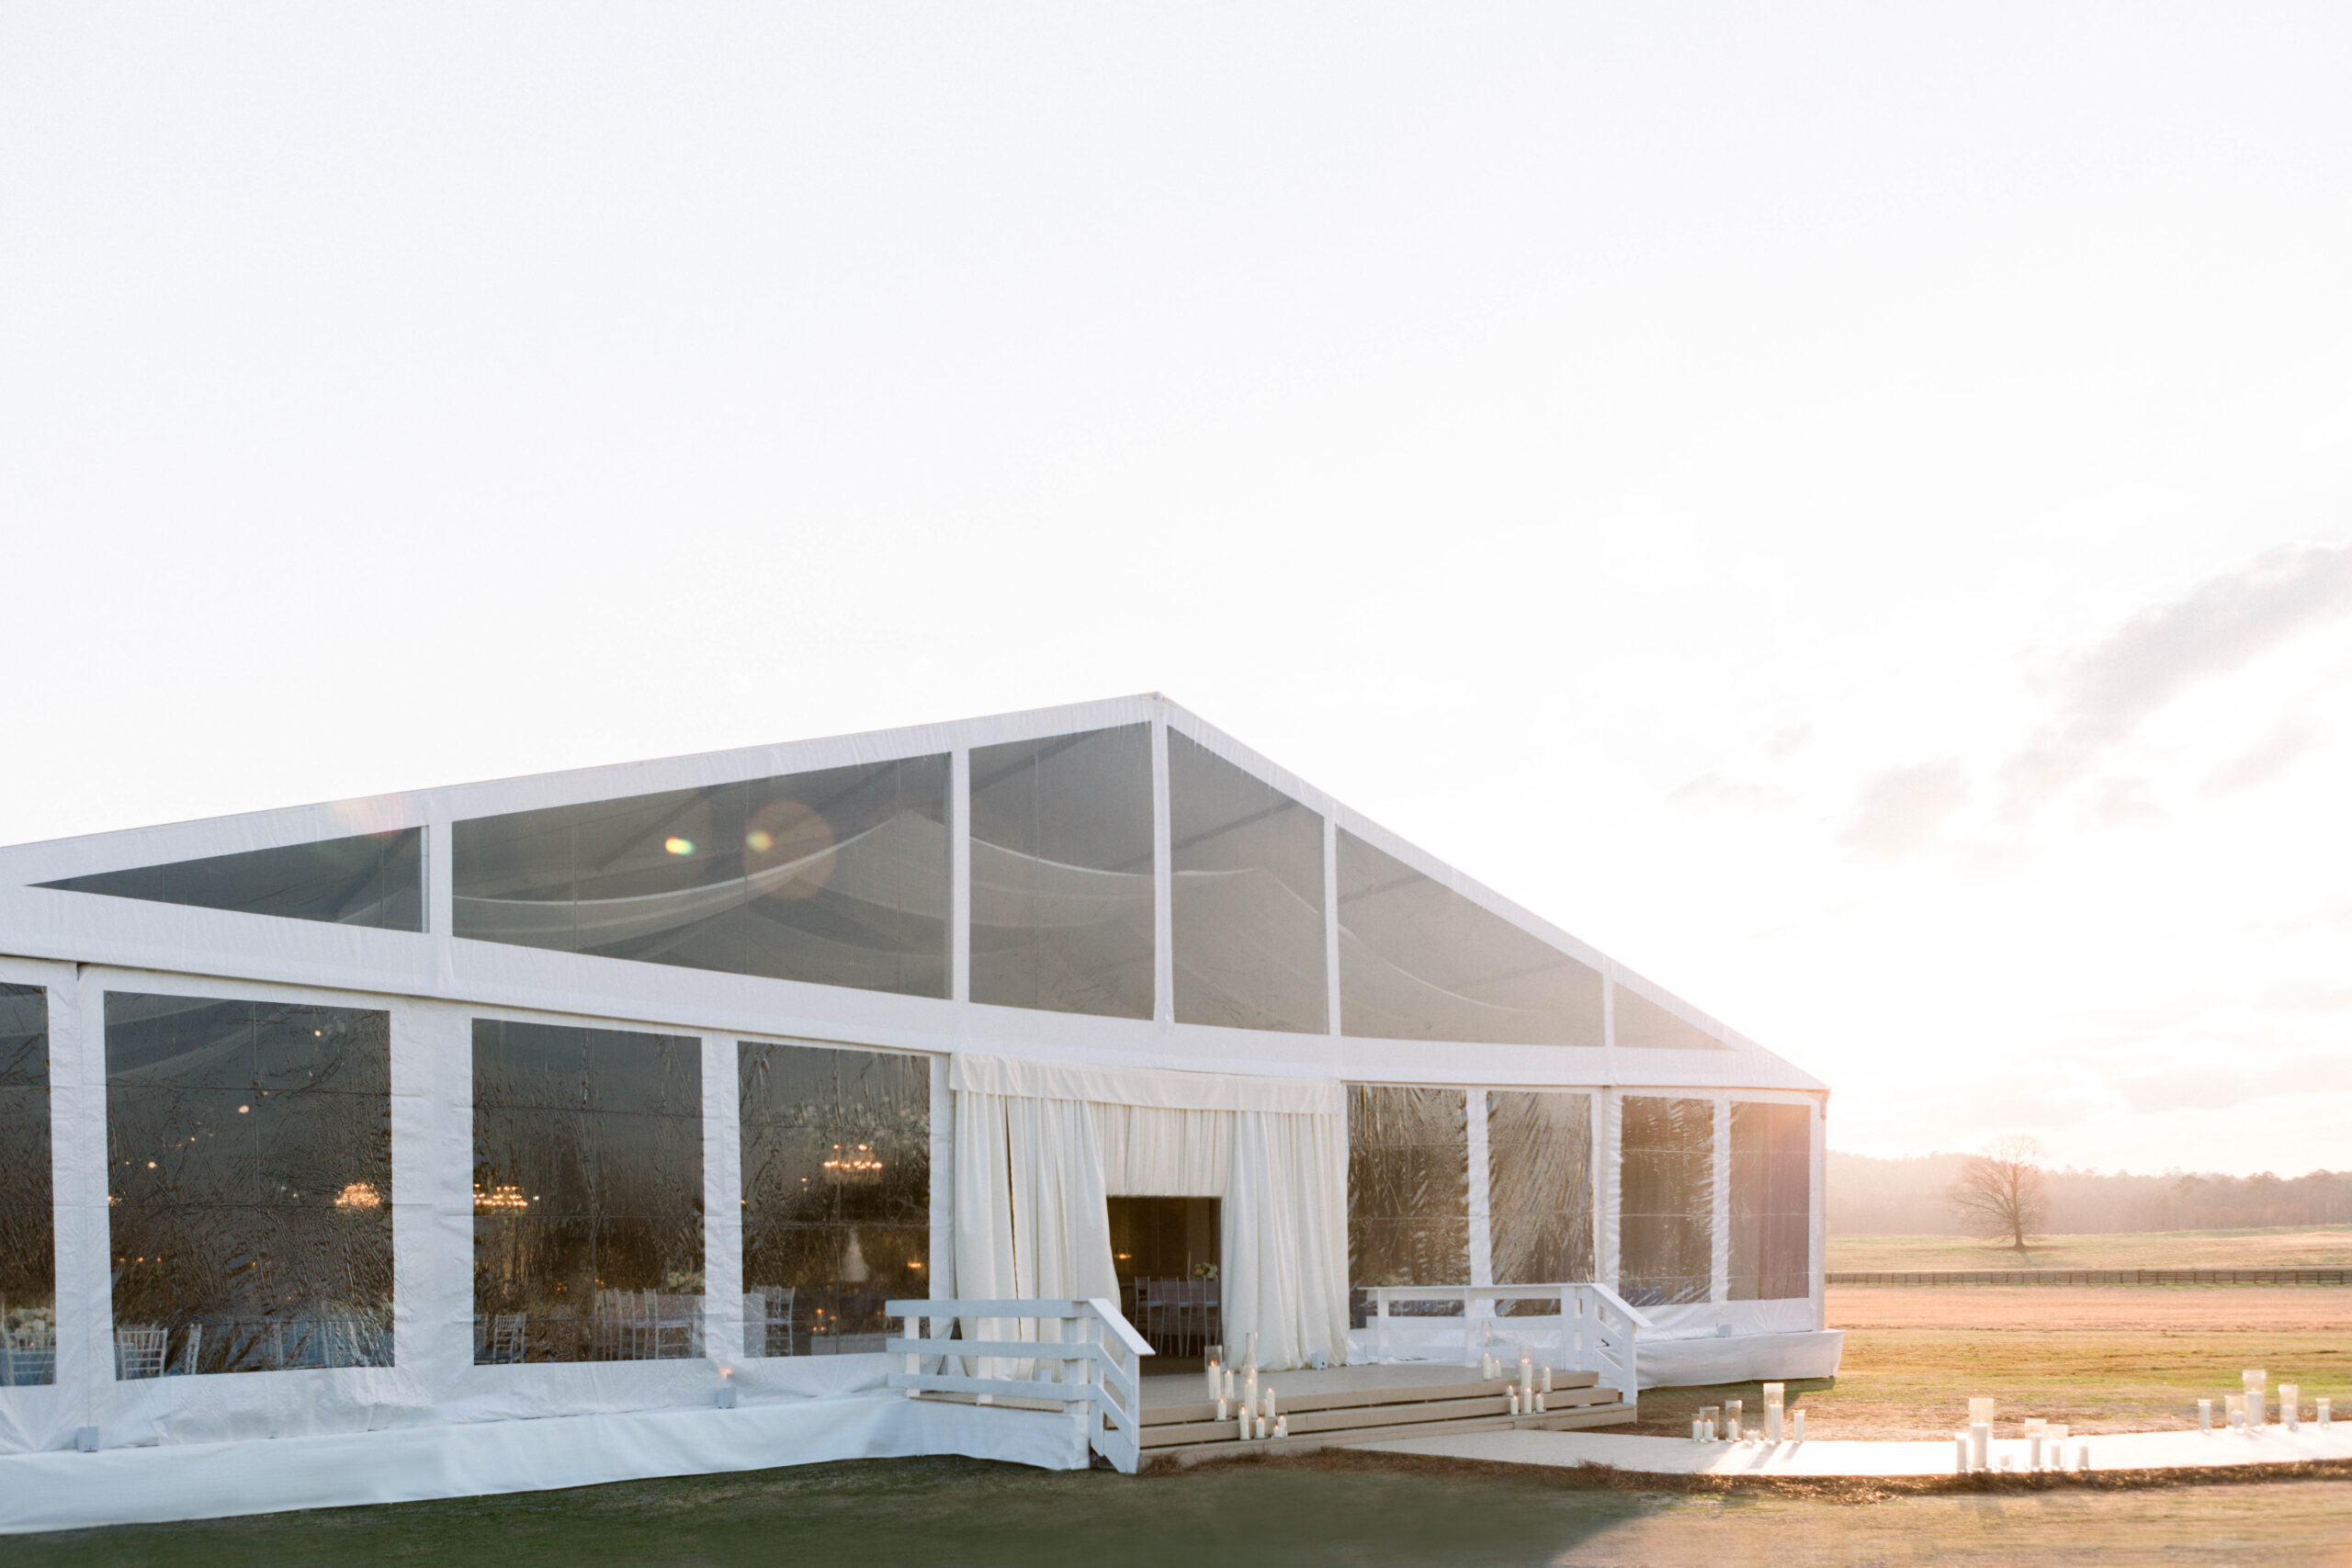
x=1354 y=1417
x=1564 y=1384
x=1549 y=1421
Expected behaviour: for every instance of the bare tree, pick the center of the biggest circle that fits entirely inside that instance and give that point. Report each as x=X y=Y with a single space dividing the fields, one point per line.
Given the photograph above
x=2000 y=1195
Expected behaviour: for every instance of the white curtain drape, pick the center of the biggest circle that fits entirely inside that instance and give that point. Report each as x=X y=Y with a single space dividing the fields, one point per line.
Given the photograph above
x=1033 y=1173
x=1285 y=1238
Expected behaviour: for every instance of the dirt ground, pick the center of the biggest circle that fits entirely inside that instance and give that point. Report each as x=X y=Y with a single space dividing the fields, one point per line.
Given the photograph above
x=2101 y=1358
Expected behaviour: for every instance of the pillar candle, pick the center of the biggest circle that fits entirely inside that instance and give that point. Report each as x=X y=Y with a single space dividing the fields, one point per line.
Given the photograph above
x=1243 y=1416
x=1547 y=1377
x=1217 y=1382
x=1228 y=1382
x=1250 y=1389
x=2291 y=1406
x=1222 y=1412
x=2235 y=1404
x=1269 y=1412
x=2082 y=1456
x=1772 y=1421
x=2057 y=1445
x=1798 y=1417
x=1281 y=1427
x=1697 y=1430
x=1730 y=1417
x=1980 y=1445
x=1539 y=1401
x=2204 y=1415
x=1960 y=1453
x=1514 y=1401
x=1262 y=1430
x=2324 y=1411
x=2253 y=1378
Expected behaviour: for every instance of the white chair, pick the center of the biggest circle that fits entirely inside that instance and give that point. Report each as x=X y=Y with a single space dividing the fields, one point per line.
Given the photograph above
x=191 y=1348
x=767 y=1309
x=139 y=1352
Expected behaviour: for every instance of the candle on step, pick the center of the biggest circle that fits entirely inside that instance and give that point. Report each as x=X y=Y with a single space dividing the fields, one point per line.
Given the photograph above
x=2082 y=1456
x=1228 y=1382
x=1730 y=1417
x=2253 y=1378
x=2324 y=1411
x=2034 y=1429
x=1261 y=1428
x=1539 y=1401
x=1547 y=1377
x=2235 y=1404
x=1281 y=1426
x=1796 y=1417
x=1269 y=1412
x=1980 y=1445
x=1216 y=1381
x=1243 y=1416
x=1513 y=1397
x=1697 y=1430
x=2058 y=1445
x=1772 y=1420
x=2204 y=1415
x=2291 y=1406
x=1960 y=1453
x=1222 y=1412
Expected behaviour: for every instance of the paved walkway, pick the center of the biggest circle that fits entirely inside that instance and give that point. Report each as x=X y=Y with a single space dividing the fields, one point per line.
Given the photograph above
x=1680 y=1456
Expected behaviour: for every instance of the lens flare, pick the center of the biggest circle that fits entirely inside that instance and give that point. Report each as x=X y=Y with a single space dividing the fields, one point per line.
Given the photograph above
x=679 y=846
x=761 y=842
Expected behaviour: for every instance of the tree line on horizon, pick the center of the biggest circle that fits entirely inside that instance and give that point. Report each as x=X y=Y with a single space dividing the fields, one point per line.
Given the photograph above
x=1913 y=1196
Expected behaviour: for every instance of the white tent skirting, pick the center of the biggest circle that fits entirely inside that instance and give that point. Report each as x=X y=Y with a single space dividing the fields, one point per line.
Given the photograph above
x=203 y=1481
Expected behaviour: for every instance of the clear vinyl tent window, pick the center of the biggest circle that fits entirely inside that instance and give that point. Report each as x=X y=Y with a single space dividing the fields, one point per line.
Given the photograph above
x=588 y=1198
x=249 y=1157
x=1246 y=865
x=1771 y=1200
x=1539 y=1187
x=836 y=1195
x=366 y=879
x=1419 y=961
x=27 y=1215
x=1666 y=1200
x=1062 y=873
x=1409 y=1190
x=1641 y=1025
x=836 y=877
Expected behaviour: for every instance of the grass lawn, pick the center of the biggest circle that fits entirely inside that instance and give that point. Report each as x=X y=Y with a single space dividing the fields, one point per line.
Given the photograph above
x=2099 y=1357
x=890 y=1512
x=2285 y=1247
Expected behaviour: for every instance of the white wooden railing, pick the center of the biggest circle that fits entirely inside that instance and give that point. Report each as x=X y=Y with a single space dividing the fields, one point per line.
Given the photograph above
x=1597 y=1330
x=1086 y=1364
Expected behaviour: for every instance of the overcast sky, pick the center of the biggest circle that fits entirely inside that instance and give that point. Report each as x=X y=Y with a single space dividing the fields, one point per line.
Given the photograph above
x=1848 y=509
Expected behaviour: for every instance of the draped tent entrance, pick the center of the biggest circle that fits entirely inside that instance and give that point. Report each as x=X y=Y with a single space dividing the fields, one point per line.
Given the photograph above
x=1040 y=1149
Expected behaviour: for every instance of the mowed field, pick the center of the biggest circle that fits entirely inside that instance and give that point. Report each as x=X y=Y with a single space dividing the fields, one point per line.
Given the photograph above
x=2099 y=1357
x=2297 y=1247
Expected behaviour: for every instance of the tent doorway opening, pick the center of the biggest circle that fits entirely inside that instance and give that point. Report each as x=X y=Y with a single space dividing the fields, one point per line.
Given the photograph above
x=1165 y=1253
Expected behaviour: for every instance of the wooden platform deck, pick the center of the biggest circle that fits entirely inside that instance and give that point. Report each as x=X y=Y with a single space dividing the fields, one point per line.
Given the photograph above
x=1356 y=1404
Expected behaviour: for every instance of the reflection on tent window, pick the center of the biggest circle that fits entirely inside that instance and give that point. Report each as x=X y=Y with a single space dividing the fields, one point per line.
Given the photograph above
x=1247 y=892
x=1772 y=1202
x=1062 y=873
x=587 y=1194
x=237 y=1134
x=369 y=879
x=1539 y=1185
x=28 y=1219
x=1667 y=1171
x=837 y=877
x=1419 y=961
x=1408 y=1192
x=836 y=1195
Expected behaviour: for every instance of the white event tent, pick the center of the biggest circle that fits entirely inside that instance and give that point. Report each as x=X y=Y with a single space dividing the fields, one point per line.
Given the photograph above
x=393 y=1126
